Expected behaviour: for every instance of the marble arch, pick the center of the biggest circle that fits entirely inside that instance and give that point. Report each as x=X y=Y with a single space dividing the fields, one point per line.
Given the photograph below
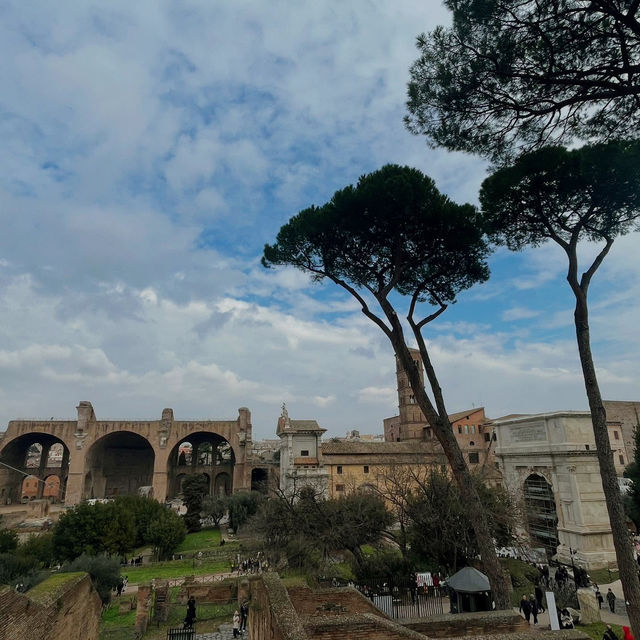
x=156 y=439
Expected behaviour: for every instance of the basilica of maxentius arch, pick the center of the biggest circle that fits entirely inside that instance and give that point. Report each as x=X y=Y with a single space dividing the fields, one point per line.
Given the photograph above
x=71 y=460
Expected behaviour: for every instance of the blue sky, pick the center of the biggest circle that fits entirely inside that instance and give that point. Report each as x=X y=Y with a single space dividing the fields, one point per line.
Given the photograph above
x=150 y=149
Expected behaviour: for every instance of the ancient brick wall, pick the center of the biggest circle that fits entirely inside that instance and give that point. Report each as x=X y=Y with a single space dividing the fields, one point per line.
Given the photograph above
x=271 y=614
x=57 y=609
x=307 y=602
x=470 y=624
x=364 y=626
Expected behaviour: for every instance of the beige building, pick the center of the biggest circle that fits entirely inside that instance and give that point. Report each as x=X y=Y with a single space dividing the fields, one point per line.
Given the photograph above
x=550 y=460
x=301 y=463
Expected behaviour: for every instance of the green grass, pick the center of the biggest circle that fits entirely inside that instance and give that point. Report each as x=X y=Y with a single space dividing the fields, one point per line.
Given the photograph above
x=177 y=569
x=111 y=617
x=49 y=587
x=595 y=630
x=522 y=578
x=604 y=576
x=201 y=540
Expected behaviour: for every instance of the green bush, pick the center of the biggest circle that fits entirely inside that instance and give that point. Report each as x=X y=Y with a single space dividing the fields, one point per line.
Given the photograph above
x=104 y=572
x=16 y=569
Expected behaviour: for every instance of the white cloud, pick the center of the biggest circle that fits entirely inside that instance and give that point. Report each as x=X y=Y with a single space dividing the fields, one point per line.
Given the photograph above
x=151 y=149
x=519 y=313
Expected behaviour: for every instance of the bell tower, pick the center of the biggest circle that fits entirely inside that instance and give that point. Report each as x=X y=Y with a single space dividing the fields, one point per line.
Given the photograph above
x=412 y=420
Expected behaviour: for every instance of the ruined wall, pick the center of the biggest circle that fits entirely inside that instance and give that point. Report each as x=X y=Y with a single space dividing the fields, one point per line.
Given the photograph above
x=63 y=607
x=271 y=614
x=470 y=624
x=307 y=601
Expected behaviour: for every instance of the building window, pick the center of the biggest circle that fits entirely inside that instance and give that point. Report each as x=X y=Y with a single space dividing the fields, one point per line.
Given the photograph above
x=487 y=437
x=339 y=470
x=474 y=458
x=304 y=452
x=473 y=428
x=621 y=459
x=339 y=487
x=366 y=468
x=587 y=447
x=616 y=435
x=466 y=429
x=412 y=400
x=472 y=444
x=459 y=428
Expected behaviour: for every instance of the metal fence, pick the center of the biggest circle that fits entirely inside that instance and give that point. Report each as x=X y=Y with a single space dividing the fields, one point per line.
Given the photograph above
x=402 y=599
x=179 y=633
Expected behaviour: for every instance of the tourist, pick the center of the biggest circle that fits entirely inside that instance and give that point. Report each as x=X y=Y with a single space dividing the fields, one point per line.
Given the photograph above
x=609 y=634
x=627 y=633
x=525 y=608
x=539 y=595
x=599 y=597
x=236 y=624
x=611 y=599
x=534 y=608
x=244 y=614
x=566 y=619
x=191 y=613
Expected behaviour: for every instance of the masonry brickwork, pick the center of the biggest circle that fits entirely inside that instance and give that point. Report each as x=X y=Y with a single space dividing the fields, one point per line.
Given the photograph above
x=104 y=458
x=54 y=610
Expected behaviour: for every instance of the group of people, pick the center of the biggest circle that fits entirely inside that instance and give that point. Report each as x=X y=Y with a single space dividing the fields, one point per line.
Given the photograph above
x=254 y=564
x=611 y=598
x=240 y=619
x=530 y=608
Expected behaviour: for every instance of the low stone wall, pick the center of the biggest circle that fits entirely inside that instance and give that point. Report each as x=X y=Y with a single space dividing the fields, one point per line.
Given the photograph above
x=215 y=593
x=63 y=607
x=308 y=602
x=360 y=626
x=271 y=614
x=469 y=624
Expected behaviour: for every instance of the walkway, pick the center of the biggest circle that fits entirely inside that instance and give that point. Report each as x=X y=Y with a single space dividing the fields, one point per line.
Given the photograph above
x=225 y=633
x=619 y=617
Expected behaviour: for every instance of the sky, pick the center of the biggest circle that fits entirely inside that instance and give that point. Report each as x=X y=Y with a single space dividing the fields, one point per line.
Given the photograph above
x=149 y=151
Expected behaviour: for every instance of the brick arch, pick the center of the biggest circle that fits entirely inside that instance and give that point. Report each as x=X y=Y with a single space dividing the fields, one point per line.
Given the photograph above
x=118 y=463
x=214 y=466
x=14 y=452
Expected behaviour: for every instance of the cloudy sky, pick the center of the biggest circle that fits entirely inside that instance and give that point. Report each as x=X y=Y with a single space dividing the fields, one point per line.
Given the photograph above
x=151 y=148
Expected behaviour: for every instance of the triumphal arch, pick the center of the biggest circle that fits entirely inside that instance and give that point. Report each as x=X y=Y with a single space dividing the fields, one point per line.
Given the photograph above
x=72 y=460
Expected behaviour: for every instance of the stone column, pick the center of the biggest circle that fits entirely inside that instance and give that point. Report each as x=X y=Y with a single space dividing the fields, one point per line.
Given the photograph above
x=160 y=475
x=75 y=481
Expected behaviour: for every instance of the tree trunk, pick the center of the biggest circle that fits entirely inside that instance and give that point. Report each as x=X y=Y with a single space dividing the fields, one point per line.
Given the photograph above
x=498 y=579
x=624 y=552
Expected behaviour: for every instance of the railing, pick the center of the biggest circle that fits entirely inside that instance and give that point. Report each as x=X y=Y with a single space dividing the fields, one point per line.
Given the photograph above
x=179 y=633
x=403 y=599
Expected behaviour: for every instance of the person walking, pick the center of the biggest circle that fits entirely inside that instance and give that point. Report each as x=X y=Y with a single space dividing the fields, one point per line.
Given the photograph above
x=244 y=614
x=236 y=624
x=534 y=608
x=599 y=597
x=611 y=599
x=539 y=595
x=191 y=613
x=525 y=608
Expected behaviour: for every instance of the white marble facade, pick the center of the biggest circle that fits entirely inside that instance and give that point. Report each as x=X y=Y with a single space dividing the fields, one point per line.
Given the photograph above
x=560 y=447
